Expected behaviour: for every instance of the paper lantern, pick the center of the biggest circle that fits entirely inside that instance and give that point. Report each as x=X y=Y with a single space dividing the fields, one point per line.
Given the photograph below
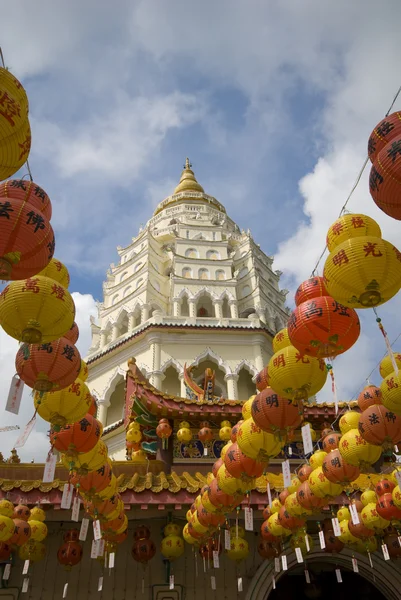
x=296 y=376
x=288 y=521
x=208 y=519
x=256 y=443
x=7 y=527
x=21 y=512
x=262 y=379
x=363 y=272
x=239 y=549
x=351 y=226
x=294 y=508
x=317 y=458
x=323 y=328
x=265 y=531
x=33 y=550
x=281 y=340
x=385 y=178
x=205 y=434
x=276 y=505
x=337 y=470
x=380 y=427
x=386 y=365
x=241 y=466
x=303 y=472
x=269 y=549
x=37 y=310
x=275 y=414
x=27 y=191
x=64 y=406
x=14 y=150
x=117 y=525
x=284 y=495
x=349 y=420
x=184 y=434
x=6 y=508
x=225 y=432
x=246 y=408
x=13 y=104
x=5 y=552
x=164 y=431
x=57 y=271
x=342 y=513
x=233 y=436
x=134 y=436
x=302 y=540
x=73 y=333
x=50 y=366
x=313 y=287
x=69 y=554
x=360 y=530
x=84 y=371
x=21 y=534
x=232 y=485
x=38 y=530
x=384 y=132
x=275 y=526
x=391 y=392
x=81 y=436
x=218 y=497
x=387 y=509
x=87 y=461
x=384 y=486
x=187 y=536
x=172 y=547
x=95 y=482
x=371 y=518
x=331 y=441
x=346 y=536
x=393 y=545
x=332 y=544
x=356 y=451
x=26 y=240
x=321 y=486
x=143 y=551
x=369 y=395
x=368 y=497
x=307 y=498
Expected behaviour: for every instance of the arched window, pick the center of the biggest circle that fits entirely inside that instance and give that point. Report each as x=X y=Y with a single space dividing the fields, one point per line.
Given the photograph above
x=115 y=412
x=184 y=307
x=212 y=255
x=191 y=253
x=127 y=291
x=187 y=272
x=204 y=306
x=220 y=275
x=246 y=387
x=244 y=252
x=124 y=275
x=225 y=309
x=171 y=383
x=122 y=323
x=115 y=299
x=137 y=267
x=246 y=290
x=139 y=283
x=156 y=285
x=203 y=274
x=244 y=271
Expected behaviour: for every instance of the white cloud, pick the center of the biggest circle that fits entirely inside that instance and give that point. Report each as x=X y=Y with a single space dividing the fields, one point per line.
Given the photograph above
x=37 y=445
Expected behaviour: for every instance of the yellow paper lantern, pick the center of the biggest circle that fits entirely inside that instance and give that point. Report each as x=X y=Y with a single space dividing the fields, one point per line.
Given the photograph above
x=139 y=456
x=61 y=407
x=371 y=518
x=281 y=340
x=33 y=550
x=351 y=226
x=57 y=271
x=38 y=530
x=363 y=272
x=134 y=425
x=256 y=443
x=14 y=104
x=172 y=547
x=172 y=529
x=349 y=421
x=224 y=450
x=294 y=375
x=294 y=485
x=276 y=505
x=225 y=433
x=321 y=486
x=298 y=540
x=14 y=150
x=239 y=549
x=124 y=525
x=386 y=365
x=109 y=490
x=184 y=435
x=312 y=431
x=246 y=408
x=83 y=372
x=36 y=310
x=368 y=497
x=294 y=508
x=188 y=537
x=343 y=514
x=6 y=528
x=346 y=537
x=396 y=494
x=208 y=505
x=231 y=485
x=275 y=528
x=87 y=461
x=237 y=531
x=6 y=508
x=134 y=436
x=317 y=458
x=356 y=451
x=37 y=514
x=391 y=392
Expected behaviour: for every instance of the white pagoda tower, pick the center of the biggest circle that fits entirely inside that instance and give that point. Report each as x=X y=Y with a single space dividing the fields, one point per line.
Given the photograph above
x=190 y=288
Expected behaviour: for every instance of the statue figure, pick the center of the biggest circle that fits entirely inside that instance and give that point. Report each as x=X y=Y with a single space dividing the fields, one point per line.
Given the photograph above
x=14 y=458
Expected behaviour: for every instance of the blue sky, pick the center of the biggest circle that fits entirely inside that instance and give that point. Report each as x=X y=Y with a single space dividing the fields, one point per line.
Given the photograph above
x=273 y=101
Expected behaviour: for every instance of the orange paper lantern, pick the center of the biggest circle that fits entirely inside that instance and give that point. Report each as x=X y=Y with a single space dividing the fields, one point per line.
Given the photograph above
x=27 y=191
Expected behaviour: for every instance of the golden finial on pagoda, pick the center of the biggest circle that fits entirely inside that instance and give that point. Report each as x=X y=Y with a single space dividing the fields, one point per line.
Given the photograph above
x=188 y=182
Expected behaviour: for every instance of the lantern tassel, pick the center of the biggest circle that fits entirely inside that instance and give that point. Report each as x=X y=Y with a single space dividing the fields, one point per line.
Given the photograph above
x=333 y=387
x=387 y=342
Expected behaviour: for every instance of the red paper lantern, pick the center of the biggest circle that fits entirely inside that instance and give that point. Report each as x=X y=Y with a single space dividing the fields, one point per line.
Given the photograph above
x=337 y=470
x=73 y=333
x=81 y=436
x=27 y=191
x=387 y=509
x=275 y=414
x=360 y=530
x=26 y=240
x=208 y=519
x=114 y=525
x=384 y=132
x=241 y=466
x=69 y=554
x=143 y=550
x=269 y=549
x=206 y=550
x=116 y=538
x=219 y=498
x=332 y=544
x=94 y=482
x=288 y=521
x=21 y=512
x=5 y=552
x=234 y=431
x=283 y=496
x=385 y=178
x=262 y=380
x=314 y=287
x=331 y=441
x=393 y=545
x=384 y=486
x=380 y=426
x=370 y=395
x=216 y=466
x=22 y=533
x=266 y=513
x=72 y=535
x=307 y=499
x=205 y=434
x=323 y=328
x=303 y=472
x=164 y=430
x=101 y=509
x=51 y=366
x=265 y=531
x=141 y=533
x=93 y=407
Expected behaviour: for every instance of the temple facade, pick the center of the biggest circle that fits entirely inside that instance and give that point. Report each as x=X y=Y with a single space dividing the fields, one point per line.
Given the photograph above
x=192 y=289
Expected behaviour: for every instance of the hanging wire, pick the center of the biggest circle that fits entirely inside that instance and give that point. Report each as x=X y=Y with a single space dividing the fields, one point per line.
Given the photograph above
x=2 y=58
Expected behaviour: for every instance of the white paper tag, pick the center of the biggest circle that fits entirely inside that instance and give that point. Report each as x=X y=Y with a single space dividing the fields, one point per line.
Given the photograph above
x=370 y=560
x=75 y=509
x=277 y=565
x=307 y=439
x=354 y=514
x=396 y=449
x=307 y=576
x=248 y=518
x=284 y=562
x=205 y=451
x=338 y=575
x=227 y=539
x=65 y=590
x=25 y=585
x=269 y=495
x=112 y=557
x=399 y=540
x=398 y=477
x=66 y=498
x=216 y=561
x=97 y=534
x=336 y=527
x=50 y=468
x=307 y=543
x=289 y=451
x=285 y=465
x=385 y=552
x=25 y=568
x=298 y=554
x=273 y=582
x=322 y=540
x=213 y=582
x=100 y=584
x=15 y=395
x=7 y=571
x=100 y=547
x=94 y=548
x=84 y=530
x=355 y=565
x=240 y=584
x=171 y=582
x=25 y=433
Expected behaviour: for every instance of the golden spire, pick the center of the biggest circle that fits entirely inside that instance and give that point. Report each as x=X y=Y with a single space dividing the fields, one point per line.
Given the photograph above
x=188 y=181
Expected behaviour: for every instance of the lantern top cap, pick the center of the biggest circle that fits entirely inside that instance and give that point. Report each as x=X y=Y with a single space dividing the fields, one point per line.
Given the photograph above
x=188 y=180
